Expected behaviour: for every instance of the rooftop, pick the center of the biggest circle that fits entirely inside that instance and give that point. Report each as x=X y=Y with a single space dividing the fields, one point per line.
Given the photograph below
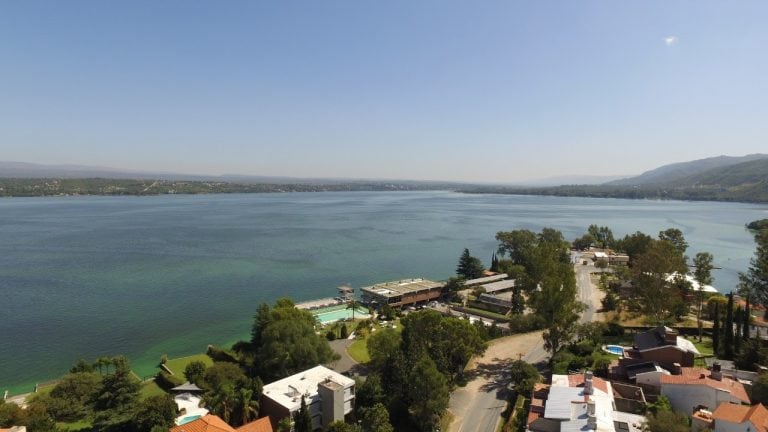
x=260 y=425
x=288 y=391
x=208 y=423
x=733 y=413
x=401 y=287
x=499 y=286
x=486 y=279
x=700 y=376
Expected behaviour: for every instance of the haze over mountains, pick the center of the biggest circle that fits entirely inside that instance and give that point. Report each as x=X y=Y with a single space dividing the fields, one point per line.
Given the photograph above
x=721 y=178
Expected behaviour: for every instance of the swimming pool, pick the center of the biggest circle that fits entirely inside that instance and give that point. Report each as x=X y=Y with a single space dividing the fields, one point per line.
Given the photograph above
x=336 y=313
x=614 y=349
x=187 y=419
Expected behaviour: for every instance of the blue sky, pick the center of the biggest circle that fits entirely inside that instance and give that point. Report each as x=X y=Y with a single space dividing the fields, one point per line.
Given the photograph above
x=473 y=91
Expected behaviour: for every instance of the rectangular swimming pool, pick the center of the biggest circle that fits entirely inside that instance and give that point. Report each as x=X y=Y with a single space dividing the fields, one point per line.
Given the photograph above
x=336 y=313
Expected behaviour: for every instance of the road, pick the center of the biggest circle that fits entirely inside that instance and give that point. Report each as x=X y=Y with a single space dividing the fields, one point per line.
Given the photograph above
x=478 y=406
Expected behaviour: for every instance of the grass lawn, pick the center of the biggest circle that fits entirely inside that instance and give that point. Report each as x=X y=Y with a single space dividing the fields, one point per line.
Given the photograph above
x=178 y=365
x=149 y=388
x=359 y=351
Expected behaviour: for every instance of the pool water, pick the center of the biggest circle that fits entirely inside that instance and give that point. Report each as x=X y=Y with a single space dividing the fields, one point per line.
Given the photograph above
x=336 y=313
x=615 y=349
x=188 y=419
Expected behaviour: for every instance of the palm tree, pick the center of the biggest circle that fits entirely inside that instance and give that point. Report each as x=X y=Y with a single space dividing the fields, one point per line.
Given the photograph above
x=246 y=407
x=353 y=304
x=221 y=401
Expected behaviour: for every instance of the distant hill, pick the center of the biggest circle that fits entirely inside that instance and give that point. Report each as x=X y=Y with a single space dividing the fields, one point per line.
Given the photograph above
x=724 y=178
x=676 y=174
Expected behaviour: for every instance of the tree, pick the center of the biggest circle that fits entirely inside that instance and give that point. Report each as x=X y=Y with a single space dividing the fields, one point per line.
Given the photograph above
x=428 y=393
x=584 y=242
x=755 y=280
x=157 y=410
x=650 y=272
x=760 y=389
x=340 y=426
x=72 y=398
x=674 y=236
x=469 y=267
x=285 y=425
x=523 y=376
x=302 y=421
x=635 y=244
x=381 y=346
x=728 y=329
x=666 y=421
x=246 y=406
x=716 y=330
x=603 y=236
x=376 y=419
x=344 y=332
x=120 y=389
x=702 y=273
x=368 y=393
x=81 y=366
x=195 y=371
x=518 y=301
x=284 y=342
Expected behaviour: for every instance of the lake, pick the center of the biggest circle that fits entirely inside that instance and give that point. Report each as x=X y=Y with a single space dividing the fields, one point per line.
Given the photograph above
x=146 y=276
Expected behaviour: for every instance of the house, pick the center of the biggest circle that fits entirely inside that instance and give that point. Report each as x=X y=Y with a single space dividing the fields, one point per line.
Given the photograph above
x=212 y=423
x=401 y=293
x=484 y=280
x=730 y=417
x=691 y=389
x=329 y=395
x=661 y=345
x=578 y=402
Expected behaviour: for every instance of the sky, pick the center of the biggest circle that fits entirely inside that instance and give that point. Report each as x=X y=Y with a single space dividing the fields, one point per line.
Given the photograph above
x=490 y=91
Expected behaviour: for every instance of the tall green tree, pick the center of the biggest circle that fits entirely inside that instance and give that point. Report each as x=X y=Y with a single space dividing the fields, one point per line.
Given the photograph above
x=716 y=330
x=120 y=389
x=755 y=280
x=195 y=371
x=376 y=419
x=603 y=235
x=469 y=267
x=728 y=329
x=157 y=410
x=674 y=236
x=284 y=341
x=302 y=421
x=702 y=273
x=650 y=272
x=428 y=394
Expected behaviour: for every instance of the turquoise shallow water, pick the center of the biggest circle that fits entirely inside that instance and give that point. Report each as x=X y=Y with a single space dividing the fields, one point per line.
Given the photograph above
x=146 y=276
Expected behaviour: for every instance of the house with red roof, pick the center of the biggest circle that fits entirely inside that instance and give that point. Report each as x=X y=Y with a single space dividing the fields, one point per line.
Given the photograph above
x=213 y=423
x=690 y=389
x=730 y=417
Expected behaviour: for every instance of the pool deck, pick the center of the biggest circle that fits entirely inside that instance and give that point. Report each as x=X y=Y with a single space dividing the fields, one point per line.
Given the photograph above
x=315 y=304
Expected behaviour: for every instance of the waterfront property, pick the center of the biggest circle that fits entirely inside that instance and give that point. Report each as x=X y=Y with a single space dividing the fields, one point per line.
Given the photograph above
x=340 y=312
x=661 y=345
x=329 y=395
x=402 y=293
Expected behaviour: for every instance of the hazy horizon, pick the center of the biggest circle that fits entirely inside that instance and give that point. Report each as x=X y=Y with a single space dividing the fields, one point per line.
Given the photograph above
x=498 y=92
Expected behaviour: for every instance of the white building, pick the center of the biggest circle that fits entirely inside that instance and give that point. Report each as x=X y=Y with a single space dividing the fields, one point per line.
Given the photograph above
x=329 y=396
x=580 y=403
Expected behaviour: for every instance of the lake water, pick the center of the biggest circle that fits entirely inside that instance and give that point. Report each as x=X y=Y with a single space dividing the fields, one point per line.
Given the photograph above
x=146 y=276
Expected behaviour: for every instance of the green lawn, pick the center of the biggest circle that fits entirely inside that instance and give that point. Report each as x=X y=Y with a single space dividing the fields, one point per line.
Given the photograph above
x=704 y=347
x=359 y=351
x=178 y=365
x=150 y=388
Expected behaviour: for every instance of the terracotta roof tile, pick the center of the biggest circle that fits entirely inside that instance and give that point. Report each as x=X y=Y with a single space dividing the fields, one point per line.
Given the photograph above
x=700 y=376
x=577 y=380
x=260 y=425
x=739 y=414
x=207 y=423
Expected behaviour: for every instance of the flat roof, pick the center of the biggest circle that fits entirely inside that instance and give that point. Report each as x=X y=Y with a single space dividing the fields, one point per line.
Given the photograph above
x=486 y=279
x=288 y=391
x=499 y=286
x=406 y=286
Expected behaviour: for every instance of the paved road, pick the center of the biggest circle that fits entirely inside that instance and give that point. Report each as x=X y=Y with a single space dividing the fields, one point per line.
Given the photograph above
x=479 y=405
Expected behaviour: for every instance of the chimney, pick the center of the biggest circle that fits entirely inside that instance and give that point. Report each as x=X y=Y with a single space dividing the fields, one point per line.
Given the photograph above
x=677 y=369
x=591 y=417
x=717 y=372
x=588 y=383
